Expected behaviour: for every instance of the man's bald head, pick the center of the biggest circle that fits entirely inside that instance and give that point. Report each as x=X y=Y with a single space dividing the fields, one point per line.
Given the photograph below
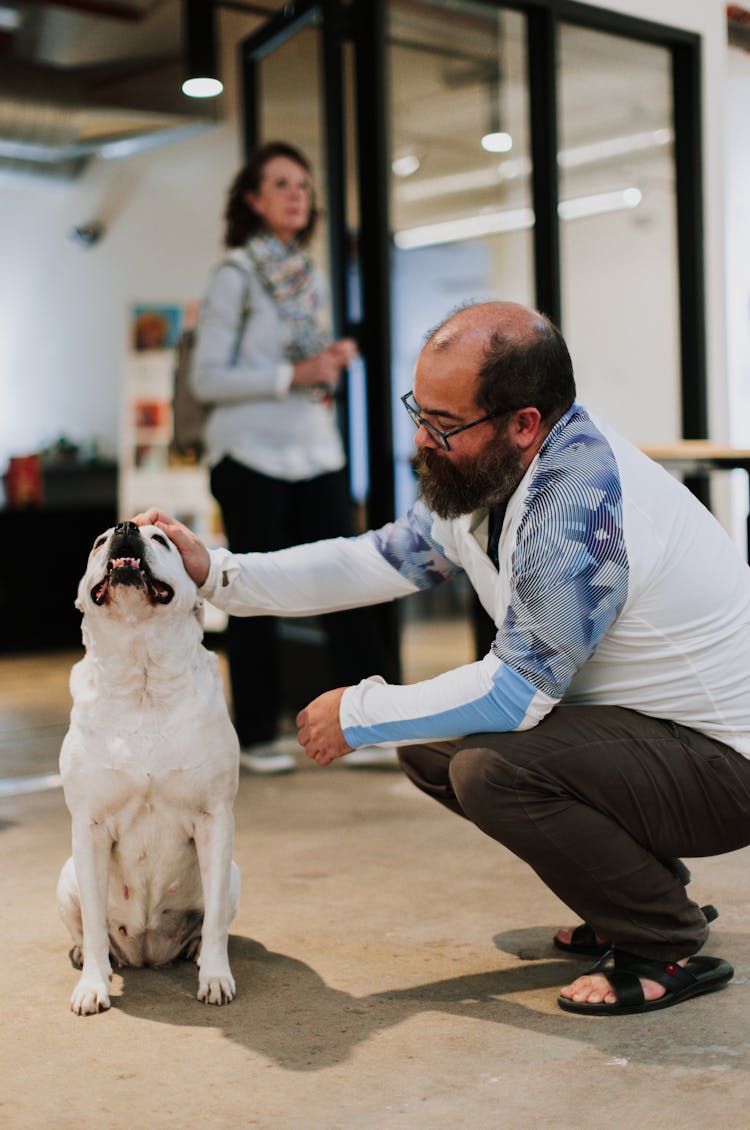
x=521 y=357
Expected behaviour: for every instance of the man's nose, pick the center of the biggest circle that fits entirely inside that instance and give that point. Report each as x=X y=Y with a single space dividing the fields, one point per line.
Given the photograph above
x=424 y=437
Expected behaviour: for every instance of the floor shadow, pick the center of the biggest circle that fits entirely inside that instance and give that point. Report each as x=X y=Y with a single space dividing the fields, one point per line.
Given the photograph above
x=285 y=1012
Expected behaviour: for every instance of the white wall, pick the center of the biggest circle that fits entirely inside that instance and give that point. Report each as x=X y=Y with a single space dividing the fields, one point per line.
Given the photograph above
x=64 y=308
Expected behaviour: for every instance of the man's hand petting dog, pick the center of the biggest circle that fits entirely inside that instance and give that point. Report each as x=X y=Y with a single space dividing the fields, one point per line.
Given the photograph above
x=192 y=550
x=319 y=729
x=150 y=767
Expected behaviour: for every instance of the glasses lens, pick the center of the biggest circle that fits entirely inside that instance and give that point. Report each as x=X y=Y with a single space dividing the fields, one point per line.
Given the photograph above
x=419 y=421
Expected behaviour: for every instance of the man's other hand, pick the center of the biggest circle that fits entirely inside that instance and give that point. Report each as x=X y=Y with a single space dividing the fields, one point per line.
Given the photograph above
x=320 y=733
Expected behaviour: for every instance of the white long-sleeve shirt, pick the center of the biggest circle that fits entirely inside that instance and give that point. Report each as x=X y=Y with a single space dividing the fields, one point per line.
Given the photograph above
x=615 y=586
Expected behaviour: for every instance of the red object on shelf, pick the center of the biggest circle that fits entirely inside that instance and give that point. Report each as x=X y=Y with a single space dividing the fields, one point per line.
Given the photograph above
x=23 y=482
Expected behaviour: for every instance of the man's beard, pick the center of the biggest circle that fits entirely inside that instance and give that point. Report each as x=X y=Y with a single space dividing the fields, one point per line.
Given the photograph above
x=452 y=488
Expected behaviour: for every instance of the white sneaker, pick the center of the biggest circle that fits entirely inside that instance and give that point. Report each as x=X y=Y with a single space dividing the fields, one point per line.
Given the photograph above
x=277 y=756
x=371 y=757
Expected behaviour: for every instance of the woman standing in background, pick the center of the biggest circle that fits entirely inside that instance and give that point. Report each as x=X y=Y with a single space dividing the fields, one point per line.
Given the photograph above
x=268 y=369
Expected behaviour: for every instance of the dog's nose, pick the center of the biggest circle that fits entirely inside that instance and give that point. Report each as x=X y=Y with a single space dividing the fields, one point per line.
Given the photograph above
x=126 y=528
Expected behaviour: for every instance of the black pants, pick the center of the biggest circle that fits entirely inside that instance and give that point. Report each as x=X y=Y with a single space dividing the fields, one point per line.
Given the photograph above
x=598 y=800
x=261 y=514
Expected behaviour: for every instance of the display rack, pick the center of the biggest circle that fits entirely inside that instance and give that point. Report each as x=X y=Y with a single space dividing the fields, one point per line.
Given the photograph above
x=152 y=472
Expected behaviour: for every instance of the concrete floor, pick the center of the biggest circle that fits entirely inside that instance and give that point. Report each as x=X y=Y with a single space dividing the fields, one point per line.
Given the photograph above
x=394 y=970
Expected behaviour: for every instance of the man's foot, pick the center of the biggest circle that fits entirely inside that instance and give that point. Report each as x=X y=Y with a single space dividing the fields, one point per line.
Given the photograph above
x=564 y=937
x=594 y=988
x=622 y=984
x=583 y=939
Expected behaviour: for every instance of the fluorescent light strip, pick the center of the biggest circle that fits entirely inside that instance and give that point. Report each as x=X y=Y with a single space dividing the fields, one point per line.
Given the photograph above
x=516 y=167
x=513 y=219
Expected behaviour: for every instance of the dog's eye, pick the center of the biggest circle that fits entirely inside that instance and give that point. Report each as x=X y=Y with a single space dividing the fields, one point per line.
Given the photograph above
x=161 y=539
x=100 y=541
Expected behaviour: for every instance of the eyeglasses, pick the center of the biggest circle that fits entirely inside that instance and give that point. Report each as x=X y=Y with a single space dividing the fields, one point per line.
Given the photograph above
x=442 y=437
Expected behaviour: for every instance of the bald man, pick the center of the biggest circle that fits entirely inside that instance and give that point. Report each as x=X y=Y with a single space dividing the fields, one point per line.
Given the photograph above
x=606 y=732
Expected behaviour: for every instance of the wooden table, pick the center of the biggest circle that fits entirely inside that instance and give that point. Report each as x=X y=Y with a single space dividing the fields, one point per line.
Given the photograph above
x=697 y=456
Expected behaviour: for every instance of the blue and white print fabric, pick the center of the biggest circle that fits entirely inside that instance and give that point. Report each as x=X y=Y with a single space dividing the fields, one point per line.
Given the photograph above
x=570 y=566
x=408 y=546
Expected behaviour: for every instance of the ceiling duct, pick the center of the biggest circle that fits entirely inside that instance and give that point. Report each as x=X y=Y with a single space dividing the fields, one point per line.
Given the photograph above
x=74 y=86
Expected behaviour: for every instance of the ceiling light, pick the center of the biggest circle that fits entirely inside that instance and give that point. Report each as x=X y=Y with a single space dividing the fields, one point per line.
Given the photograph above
x=516 y=167
x=202 y=73
x=405 y=165
x=10 y=19
x=513 y=219
x=497 y=142
x=202 y=87
x=599 y=203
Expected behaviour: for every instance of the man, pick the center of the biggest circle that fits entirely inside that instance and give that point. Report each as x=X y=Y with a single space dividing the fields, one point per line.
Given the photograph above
x=607 y=731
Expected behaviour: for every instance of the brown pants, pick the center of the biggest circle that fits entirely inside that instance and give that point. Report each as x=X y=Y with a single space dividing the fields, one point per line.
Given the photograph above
x=599 y=801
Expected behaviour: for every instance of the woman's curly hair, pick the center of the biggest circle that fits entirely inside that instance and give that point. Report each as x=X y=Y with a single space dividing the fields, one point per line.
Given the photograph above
x=241 y=221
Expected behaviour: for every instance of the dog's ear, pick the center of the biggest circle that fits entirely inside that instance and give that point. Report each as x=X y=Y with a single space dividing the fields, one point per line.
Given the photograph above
x=77 y=603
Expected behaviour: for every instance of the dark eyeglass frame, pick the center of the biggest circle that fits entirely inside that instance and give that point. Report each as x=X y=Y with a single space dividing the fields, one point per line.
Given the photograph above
x=417 y=418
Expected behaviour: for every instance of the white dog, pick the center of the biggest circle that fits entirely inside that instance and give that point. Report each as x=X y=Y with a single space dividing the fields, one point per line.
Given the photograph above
x=150 y=770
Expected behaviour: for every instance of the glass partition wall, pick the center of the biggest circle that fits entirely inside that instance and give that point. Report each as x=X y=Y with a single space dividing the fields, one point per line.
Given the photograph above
x=544 y=152
x=618 y=230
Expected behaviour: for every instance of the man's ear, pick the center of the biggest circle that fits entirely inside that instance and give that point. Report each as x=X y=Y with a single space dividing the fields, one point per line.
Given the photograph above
x=527 y=428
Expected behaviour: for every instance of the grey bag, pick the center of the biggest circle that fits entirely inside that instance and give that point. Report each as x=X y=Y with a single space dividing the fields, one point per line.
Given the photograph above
x=189 y=414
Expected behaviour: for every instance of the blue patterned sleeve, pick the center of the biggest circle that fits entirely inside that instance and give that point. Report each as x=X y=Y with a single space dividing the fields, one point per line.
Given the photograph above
x=570 y=568
x=409 y=547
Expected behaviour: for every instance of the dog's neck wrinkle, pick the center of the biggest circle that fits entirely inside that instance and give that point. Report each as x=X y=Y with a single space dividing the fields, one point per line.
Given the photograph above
x=141 y=664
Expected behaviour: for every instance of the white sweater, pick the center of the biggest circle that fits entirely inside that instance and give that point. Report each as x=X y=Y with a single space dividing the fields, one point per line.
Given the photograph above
x=615 y=586
x=256 y=417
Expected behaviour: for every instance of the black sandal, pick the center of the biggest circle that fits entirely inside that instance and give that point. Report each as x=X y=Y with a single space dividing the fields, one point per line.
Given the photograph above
x=584 y=941
x=623 y=970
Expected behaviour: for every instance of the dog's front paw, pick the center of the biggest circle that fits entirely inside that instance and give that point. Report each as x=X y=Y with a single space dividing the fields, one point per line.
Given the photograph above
x=89 y=996
x=216 y=987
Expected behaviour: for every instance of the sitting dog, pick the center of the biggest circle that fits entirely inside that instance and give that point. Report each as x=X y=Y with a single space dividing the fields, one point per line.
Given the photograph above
x=150 y=768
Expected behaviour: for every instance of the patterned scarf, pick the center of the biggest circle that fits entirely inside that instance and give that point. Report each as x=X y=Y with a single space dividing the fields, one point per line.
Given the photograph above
x=286 y=273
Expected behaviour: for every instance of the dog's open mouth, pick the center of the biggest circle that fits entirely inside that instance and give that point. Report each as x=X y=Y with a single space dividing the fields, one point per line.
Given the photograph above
x=135 y=572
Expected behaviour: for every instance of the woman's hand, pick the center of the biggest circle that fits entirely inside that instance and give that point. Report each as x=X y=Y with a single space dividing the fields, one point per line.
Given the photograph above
x=324 y=368
x=192 y=550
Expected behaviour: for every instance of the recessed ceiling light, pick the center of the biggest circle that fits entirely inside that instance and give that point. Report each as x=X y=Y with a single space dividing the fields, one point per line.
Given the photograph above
x=497 y=142
x=405 y=165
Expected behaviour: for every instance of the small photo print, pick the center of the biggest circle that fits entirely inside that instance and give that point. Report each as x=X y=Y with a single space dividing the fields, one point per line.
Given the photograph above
x=156 y=327
x=151 y=413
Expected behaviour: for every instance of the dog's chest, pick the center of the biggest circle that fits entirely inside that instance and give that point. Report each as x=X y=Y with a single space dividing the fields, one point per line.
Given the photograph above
x=128 y=758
